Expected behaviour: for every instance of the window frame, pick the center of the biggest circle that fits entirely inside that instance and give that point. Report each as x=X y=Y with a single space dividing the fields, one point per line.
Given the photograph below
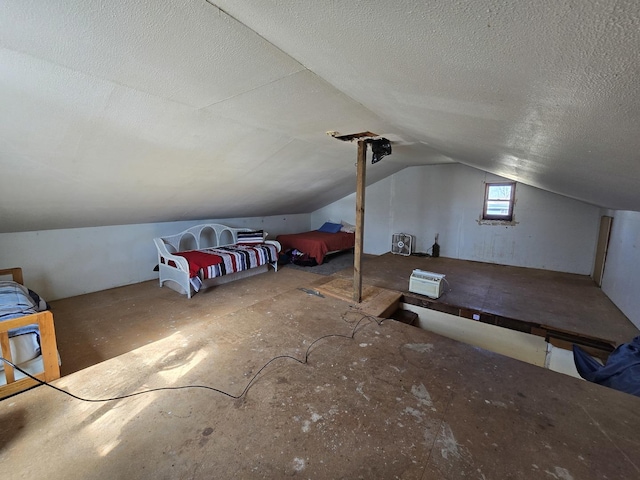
x=504 y=218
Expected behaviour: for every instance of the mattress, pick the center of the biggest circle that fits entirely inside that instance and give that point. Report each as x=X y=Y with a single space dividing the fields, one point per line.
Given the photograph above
x=317 y=244
x=23 y=348
x=17 y=301
x=216 y=262
x=33 y=366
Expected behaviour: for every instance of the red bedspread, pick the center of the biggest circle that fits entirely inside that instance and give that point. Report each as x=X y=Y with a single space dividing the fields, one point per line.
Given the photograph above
x=316 y=244
x=215 y=262
x=199 y=260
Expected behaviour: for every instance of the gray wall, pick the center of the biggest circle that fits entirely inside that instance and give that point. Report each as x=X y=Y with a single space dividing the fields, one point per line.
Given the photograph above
x=621 y=280
x=64 y=263
x=551 y=232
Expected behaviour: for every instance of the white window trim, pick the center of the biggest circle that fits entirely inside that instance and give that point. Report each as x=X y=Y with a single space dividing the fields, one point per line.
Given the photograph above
x=498 y=219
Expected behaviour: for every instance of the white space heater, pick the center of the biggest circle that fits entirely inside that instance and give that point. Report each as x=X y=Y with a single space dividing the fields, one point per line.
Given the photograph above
x=426 y=283
x=402 y=244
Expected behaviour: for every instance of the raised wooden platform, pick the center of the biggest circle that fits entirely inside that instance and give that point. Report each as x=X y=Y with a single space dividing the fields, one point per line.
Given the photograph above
x=376 y=301
x=561 y=303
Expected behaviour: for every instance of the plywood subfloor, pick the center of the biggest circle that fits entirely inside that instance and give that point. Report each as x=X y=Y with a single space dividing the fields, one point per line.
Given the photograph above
x=394 y=401
x=561 y=300
x=94 y=327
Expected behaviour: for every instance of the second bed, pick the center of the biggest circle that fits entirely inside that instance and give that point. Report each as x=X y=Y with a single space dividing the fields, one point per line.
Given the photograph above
x=317 y=244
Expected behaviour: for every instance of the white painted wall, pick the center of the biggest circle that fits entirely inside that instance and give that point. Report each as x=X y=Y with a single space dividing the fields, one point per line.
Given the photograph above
x=621 y=280
x=64 y=263
x=552 y=232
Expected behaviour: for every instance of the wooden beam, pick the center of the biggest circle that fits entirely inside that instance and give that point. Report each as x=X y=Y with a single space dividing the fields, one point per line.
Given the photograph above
x=601 y=249
x=16 y=274
x=360 y=188
x=6 y=353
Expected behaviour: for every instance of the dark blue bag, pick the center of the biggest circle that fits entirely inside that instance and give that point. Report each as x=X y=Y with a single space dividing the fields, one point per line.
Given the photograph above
x=621 y=372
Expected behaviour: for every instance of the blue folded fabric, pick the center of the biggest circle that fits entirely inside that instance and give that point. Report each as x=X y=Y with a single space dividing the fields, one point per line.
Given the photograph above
x=620 y=372
x=329 y=227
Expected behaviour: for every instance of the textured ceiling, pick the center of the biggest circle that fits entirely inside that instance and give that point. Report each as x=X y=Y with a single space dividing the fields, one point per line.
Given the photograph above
x=131 y=112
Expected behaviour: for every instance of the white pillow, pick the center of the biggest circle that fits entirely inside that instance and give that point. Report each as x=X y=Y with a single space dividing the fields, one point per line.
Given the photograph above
x=347 y=227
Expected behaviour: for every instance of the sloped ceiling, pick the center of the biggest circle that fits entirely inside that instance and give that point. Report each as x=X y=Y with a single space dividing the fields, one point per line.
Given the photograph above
x=132 y=112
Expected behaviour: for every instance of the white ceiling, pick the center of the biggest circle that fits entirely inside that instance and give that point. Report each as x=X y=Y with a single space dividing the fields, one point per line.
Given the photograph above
x=132 y=112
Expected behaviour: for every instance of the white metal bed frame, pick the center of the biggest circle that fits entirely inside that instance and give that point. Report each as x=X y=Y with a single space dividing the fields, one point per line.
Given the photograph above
x=208 y=235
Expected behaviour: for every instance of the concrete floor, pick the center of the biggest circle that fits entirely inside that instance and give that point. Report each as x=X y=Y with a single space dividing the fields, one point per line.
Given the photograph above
x=394 y=402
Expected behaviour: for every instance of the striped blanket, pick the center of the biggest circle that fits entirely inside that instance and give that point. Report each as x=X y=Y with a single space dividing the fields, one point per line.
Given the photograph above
x=17 y=301
x=216 y=262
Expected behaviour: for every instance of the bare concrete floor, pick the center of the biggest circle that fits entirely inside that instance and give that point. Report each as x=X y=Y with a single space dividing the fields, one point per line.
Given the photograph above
x=393 y=402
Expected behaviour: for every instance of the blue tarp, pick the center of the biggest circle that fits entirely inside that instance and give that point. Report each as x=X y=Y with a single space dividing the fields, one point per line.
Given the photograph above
x=620 y=372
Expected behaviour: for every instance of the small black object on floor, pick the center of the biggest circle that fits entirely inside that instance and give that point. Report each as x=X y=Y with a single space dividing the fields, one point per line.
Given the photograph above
x=331 y=264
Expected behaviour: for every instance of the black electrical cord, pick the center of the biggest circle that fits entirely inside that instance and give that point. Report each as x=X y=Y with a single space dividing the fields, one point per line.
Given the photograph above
x=206 y=387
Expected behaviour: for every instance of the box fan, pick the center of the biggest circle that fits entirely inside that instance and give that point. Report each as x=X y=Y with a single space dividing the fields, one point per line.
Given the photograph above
x=402 y=244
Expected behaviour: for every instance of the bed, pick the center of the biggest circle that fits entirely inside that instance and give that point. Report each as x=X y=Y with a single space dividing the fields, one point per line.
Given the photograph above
x=212 y=254
x=328 y=239
x=27 y=336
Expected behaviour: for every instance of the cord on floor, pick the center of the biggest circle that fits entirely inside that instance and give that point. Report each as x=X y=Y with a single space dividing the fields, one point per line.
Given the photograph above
x=206 y=387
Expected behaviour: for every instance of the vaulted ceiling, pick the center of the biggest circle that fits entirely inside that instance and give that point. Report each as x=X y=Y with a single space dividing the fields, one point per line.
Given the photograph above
x=133 y=112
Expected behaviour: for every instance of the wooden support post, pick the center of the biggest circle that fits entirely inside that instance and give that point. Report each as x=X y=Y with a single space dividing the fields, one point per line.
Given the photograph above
x=360 y=188
x=601 y=248
x=6 y=353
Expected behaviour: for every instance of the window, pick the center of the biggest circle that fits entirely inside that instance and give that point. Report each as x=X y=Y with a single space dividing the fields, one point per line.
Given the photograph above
x=498 y=201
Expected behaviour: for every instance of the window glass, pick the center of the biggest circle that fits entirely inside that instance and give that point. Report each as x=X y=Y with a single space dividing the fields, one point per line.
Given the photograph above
x=498 y=201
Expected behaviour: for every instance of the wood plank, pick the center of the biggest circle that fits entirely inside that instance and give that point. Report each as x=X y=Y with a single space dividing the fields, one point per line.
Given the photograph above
x=601 y=249
x=376 y=301
x=12 y=323
x=19 y=386
x=51 y=367
x=359 y=240
x=383 y=304
x=6 y=353
x=342 y=288
x=49 y=346
x=16 y=274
